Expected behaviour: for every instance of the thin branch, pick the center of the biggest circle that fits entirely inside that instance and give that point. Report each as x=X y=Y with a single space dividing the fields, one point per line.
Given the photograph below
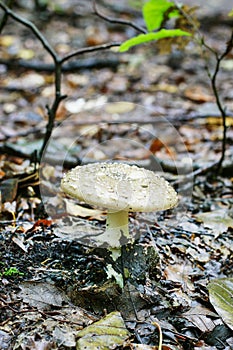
x=118 y=21
x=57 y=99
x=4 y=18
x=90 y=49
x=217 y=97
x=213 y=77
x=33 y=28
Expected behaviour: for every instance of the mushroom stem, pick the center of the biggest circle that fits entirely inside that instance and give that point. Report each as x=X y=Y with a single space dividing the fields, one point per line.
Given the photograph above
x=117 y=228
x=117 y=231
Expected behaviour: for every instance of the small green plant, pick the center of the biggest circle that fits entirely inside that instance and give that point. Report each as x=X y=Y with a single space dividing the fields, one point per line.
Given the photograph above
x=156 y=14
x=11 y=271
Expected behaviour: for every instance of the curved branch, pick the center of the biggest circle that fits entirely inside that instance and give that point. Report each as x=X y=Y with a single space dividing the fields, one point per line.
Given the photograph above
x=118 y=21
x=33 y=28
x=4 y=18
x=90 y=49
x=218 y=100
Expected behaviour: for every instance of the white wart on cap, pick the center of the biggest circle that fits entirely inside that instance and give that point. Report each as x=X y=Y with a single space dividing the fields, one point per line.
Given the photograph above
x=120 y=188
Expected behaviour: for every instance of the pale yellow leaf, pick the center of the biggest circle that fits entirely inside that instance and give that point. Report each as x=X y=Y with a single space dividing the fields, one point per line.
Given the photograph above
x=77 y=210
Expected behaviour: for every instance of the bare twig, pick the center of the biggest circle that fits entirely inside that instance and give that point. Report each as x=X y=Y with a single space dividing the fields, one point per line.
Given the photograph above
x=118 y=21
x=213 y=77
x=4 y=18
x=32 y=27
x=222 y=109
x=90 y=49
x=58 y=62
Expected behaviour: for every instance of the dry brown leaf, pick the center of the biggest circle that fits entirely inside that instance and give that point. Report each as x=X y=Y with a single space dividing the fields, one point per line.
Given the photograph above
x=41 y=294
x=218 y=220
x=180 y=273
x=198 y=94
x=200 y=317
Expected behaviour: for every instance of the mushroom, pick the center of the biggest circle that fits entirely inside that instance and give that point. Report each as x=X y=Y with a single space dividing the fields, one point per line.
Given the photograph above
x=120 y=188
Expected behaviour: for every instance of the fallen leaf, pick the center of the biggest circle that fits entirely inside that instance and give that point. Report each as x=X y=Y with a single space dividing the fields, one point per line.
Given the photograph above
x=9 y=188
x=227 y=65
x=198 y=254
x=133 y=346
x=118 y=84
x=5 y=339
x=200 y=317
x=198 y=94
x=169 y=88
x=64 y=335
x=221 y=297
x=29 y=342
x=41 y=295
x=119 y=107
x=108 y=333
x=7 y=40
x=218 y=121
x=26 y=54
x=74 y=209
x=2 y=174
x=180 y=273
x=20 y=243
x=217 y=220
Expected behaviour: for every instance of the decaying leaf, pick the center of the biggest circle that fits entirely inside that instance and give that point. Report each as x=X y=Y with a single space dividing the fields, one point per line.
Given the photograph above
x=5 y=339
x=200 y=317
x=108 y=333
x=9 y=189
x=180 y=273
x=41 y=295
x=198 y=94
x=217 y=220
x=64 y=335
x=221 y=297
x=198 y=254
x=144 y=347
x=119 y=107
x=31 y=342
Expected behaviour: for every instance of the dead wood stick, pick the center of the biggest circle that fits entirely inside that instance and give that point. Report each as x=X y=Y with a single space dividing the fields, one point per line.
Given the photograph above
x=89 y=63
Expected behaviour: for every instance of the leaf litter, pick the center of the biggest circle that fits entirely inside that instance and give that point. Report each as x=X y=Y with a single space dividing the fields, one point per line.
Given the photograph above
x=53 y=288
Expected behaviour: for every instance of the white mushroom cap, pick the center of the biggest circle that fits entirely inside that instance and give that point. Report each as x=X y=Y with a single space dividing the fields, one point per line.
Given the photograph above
x=119 y=187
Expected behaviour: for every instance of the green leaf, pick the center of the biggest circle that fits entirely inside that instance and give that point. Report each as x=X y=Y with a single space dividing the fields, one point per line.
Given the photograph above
x=154 y=12
x=144 y=38
x=230 y=14
x=221 y=297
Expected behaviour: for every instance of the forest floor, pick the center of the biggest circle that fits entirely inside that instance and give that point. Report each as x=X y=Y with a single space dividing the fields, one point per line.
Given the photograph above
x=154 y=110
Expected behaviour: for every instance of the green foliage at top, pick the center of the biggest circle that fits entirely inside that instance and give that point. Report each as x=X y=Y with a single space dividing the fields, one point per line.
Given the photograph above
x=156 y=11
